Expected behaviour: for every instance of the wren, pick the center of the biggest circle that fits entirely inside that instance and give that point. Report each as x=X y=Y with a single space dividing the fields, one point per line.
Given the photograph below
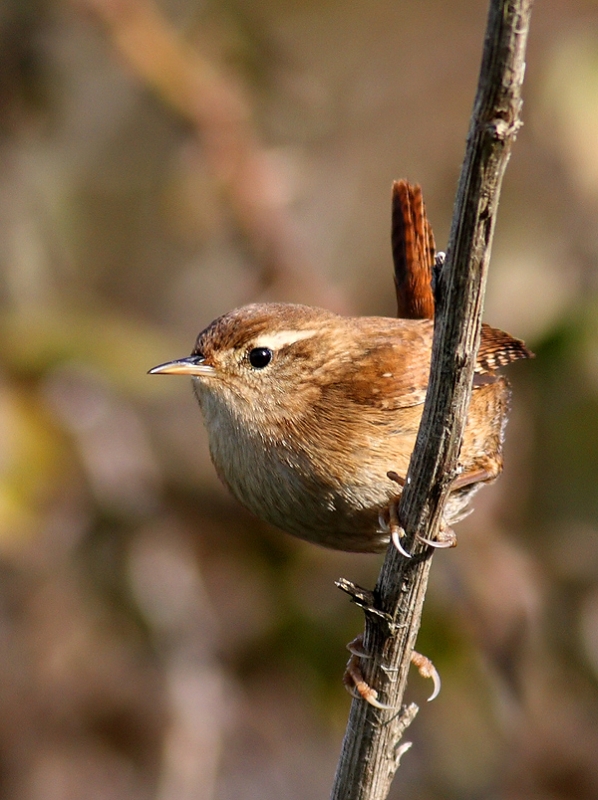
x=308 y=412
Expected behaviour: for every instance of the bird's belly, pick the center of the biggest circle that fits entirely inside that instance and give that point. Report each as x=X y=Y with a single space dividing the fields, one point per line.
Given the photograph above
x=285 y=488
x=325 y=503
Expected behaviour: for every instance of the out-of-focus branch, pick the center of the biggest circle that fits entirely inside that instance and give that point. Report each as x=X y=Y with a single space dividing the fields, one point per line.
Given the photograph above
x=215 y=107
x=371 y=750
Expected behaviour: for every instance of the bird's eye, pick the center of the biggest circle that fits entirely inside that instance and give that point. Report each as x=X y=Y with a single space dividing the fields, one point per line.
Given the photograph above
x=260 y=357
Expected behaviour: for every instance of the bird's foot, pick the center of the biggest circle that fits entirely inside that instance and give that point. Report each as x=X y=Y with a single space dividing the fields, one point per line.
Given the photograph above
x=393 y=525
x=353 y=678
x=445 y=538
x=358 y=687
x=427 y=670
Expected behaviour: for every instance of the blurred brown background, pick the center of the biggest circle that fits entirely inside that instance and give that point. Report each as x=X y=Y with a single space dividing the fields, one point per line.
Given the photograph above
x=161 y=164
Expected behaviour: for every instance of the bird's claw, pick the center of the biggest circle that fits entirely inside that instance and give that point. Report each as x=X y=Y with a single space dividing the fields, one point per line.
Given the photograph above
x=446 y=538
x=355 y=647
x=396 y=532
x=427 y=670
x=357 y=686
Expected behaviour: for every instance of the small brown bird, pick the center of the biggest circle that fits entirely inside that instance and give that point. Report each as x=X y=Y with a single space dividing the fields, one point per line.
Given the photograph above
x=308 y=412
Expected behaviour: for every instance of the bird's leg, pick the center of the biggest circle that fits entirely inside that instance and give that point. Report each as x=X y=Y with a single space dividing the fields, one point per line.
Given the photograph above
x=485 y=472
x=357 y=686
x=394 y=476
x=447 y=537
x=353 y=678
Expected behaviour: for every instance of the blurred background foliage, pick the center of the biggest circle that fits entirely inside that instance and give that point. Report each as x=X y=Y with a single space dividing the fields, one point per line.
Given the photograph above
x=160 y=164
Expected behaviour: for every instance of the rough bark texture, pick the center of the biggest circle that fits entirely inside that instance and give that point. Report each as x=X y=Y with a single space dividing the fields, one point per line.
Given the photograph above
x=371 y=748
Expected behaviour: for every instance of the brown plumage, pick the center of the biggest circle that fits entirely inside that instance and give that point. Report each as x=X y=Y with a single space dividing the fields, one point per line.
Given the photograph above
x=308 y=411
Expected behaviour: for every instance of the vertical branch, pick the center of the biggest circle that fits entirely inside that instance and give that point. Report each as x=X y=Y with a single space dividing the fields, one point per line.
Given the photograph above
x=371 y=750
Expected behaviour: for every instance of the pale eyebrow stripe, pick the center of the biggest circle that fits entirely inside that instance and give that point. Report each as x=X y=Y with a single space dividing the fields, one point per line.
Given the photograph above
x=274 y=341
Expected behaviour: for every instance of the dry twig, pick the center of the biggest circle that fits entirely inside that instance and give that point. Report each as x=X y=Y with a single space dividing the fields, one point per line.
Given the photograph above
x=371 y=748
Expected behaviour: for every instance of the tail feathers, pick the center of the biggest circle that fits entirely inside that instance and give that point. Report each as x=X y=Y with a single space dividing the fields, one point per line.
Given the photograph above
x=497 y=349
x=413 y=252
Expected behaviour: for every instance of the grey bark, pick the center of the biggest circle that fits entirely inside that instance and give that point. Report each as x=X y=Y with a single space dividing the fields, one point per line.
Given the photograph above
x=371 y=748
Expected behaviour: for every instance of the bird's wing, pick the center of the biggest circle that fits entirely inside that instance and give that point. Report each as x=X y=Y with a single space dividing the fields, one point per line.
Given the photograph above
x=392 y=372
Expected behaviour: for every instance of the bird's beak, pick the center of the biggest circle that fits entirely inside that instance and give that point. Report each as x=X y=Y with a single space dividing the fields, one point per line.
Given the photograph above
x=193 y=365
